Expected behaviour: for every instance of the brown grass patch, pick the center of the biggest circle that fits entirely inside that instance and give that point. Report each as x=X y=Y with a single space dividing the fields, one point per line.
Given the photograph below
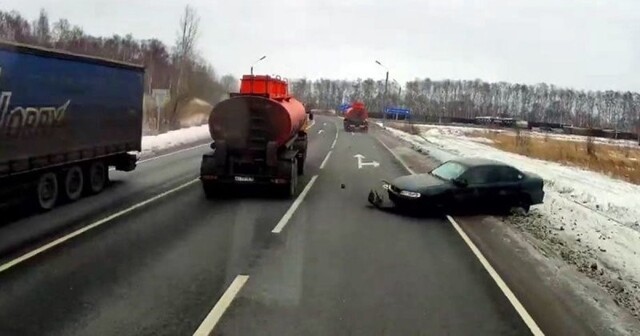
x=617 y=161
x=404 y=126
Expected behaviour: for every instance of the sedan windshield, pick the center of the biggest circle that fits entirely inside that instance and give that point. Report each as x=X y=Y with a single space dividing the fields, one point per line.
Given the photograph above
x=448 y=171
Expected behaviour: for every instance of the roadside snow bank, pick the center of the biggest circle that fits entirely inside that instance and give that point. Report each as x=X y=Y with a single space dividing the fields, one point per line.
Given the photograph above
x=455 y=130
x=591 y=220
x=152 y=144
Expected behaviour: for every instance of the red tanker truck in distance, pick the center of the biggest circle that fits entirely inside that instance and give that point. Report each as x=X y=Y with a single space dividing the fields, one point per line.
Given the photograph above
x=355 y=118
x=259 y=137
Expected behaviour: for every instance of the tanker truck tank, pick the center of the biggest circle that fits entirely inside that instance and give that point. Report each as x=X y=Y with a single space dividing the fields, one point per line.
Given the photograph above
x=259 y=137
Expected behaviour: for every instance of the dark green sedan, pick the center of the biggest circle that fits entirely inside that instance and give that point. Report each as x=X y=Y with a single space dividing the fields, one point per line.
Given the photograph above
x=464 y=184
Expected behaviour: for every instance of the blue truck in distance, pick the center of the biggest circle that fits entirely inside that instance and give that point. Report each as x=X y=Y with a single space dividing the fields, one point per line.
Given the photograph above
x=64 y=120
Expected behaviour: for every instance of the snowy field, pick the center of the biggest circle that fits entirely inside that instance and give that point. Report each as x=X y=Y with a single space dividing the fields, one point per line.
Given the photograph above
x=589 y=219
x=468 y=130
x=152 y=144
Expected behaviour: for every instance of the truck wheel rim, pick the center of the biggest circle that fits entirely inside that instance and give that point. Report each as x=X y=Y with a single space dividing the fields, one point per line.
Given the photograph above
x=47 y=190
x=97 y=177
x=73 y=183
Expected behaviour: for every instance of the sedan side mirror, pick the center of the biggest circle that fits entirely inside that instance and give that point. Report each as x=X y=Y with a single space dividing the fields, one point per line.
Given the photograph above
x=460 y=182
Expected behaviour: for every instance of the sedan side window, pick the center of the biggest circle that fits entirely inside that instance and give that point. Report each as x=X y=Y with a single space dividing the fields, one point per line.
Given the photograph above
x=508 y=174
x=478 y=175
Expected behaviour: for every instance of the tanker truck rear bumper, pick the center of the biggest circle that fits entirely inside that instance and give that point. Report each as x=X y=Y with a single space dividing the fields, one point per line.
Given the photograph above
x=217 y=180
x=356 y=126
x=220 y=171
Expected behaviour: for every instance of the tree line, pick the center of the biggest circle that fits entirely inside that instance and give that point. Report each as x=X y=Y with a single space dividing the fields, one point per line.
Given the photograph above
x=432 y=99
x=187 y=75
x=179 y=68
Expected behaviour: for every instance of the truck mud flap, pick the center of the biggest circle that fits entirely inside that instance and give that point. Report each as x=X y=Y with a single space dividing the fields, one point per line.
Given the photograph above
x=126 y=162
x=272 y=154
x=220 y=153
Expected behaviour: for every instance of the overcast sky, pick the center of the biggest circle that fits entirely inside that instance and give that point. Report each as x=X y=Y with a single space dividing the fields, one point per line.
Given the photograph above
x=586 y=44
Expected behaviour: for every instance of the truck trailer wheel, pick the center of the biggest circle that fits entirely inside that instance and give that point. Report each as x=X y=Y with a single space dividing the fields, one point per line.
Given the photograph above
x=47 y=191
x=73 y=183
x=96 y=177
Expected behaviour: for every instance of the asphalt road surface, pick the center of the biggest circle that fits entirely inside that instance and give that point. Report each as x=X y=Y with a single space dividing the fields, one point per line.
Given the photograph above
x=326 y=264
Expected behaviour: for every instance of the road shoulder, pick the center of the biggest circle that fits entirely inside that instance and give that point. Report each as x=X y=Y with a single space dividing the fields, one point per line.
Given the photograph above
x=559 y=298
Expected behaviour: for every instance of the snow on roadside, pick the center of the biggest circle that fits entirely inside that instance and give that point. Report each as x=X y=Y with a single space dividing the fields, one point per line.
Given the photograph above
x=152 y=144
x=459 y=130
x=591 y=220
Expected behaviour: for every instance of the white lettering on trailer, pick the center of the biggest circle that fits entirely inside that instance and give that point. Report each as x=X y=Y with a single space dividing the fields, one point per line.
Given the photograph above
x=19 y=118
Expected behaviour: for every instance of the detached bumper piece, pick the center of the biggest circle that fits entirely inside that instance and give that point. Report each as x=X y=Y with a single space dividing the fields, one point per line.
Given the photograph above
x=379 y=197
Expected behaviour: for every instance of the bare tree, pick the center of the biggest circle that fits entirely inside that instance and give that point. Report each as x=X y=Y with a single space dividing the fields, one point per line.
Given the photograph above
x=186 y=41
x=61 y=33
x=41 y=29
x=229 y=83
x=183 y=55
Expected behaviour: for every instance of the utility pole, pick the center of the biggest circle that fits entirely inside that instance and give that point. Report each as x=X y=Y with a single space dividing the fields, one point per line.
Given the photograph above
x=384 y=95
x=399 y=87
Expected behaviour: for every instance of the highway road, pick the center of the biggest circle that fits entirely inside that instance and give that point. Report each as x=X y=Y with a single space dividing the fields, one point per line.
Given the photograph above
x=157 y=258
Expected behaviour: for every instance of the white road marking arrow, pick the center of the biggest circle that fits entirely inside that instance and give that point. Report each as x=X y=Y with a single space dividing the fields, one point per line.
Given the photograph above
x=361 y=164
x=320 y=131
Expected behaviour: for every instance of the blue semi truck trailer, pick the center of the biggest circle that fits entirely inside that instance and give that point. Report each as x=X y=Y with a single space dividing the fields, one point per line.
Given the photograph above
x=64 y=120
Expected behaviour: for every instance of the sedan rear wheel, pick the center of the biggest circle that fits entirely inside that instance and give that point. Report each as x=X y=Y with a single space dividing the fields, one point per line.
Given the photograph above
x=525 y=203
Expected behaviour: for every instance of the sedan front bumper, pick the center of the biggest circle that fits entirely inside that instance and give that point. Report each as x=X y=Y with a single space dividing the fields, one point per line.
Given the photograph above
x=385 y=196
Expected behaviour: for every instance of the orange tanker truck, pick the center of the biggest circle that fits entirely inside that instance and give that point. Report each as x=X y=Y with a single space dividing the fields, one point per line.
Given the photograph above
x=355 y=118
x=259 y=137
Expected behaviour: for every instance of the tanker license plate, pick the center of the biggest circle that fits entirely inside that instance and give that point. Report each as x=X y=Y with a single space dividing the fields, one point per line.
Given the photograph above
x=244 y=179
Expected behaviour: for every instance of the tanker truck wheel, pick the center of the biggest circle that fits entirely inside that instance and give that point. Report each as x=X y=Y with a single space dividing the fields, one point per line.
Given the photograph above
x=73 y=183
x=47 y=191
x=96 y=177
x=290 y=188
x=300 y=166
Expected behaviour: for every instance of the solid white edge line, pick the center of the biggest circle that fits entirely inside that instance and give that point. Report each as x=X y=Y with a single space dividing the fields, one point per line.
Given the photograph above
x=397 y=157
x=326 y=158
x=209 y=322
x=172 y=153
x=313 y=122
x=82 y=230
x=528 y=320
x=292 y=209
x=524 y=315
x=336 y=137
